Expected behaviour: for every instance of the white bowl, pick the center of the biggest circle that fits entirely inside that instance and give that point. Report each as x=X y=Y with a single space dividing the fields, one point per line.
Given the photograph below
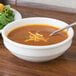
x=37 y=53
x=17 y=15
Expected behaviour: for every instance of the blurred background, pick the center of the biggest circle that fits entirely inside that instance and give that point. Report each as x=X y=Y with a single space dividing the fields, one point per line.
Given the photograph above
x=3 y=1
x=59 y=5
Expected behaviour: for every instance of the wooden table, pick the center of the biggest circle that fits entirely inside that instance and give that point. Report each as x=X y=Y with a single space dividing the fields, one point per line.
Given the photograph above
x=62 y=66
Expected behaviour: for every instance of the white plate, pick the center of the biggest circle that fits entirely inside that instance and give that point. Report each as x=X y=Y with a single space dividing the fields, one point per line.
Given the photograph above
x=17 y=15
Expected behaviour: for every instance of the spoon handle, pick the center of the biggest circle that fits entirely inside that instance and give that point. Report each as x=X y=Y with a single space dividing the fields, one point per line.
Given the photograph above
x=73 y=24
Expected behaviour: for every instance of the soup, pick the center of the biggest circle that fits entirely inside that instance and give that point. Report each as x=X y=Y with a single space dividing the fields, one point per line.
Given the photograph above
x=37 y=35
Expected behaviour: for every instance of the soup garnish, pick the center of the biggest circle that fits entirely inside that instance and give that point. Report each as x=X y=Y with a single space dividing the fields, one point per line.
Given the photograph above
x=37 y=35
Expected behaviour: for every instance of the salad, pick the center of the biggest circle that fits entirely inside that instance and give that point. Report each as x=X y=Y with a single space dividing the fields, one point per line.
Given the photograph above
x=6 y=15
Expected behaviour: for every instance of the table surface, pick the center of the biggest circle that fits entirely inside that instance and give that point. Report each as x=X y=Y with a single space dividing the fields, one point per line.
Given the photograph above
x=65 y=65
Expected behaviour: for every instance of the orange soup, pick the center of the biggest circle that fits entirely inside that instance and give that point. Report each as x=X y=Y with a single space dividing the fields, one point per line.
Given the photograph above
x=37 y=35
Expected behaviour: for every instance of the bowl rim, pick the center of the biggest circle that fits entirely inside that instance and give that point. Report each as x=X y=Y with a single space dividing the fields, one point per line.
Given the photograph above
x=32 y=46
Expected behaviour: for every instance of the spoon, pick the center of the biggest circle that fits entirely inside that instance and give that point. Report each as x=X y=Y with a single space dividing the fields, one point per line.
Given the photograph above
x=73 y=24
